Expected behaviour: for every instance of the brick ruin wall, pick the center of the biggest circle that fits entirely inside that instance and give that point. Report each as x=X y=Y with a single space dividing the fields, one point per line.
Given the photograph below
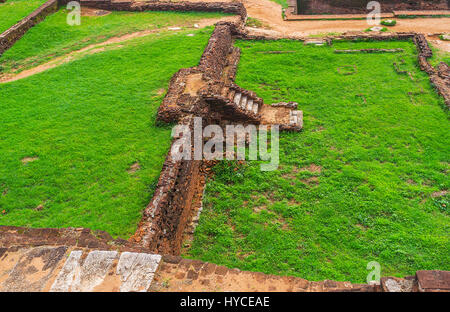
x=14 y=33
x=166 y=217
x=224 y=7
x=439 y=78
x=10 y=36
x=212 y=64
x=175 y=192
x=81 y=260
x=359 y=6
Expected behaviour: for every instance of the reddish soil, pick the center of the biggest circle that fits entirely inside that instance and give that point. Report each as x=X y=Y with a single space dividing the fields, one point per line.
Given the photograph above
x=269 y=13
x=99 y=47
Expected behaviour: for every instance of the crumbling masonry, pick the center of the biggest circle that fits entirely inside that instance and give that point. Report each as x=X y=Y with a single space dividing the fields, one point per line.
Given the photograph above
x=207 y=91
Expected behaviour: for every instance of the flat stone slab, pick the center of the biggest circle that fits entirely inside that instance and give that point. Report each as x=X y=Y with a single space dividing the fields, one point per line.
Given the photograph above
x=71 y=269
x=433 y=280
x=291 y=17
x=395 y=284
x=422 y=13
x=29 y=270
x=83 y=277
x=136 y=271
x=59 y=269
x=314 y=41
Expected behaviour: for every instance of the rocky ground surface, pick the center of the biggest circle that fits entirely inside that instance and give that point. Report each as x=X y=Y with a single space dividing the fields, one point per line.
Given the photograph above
x=68 y=269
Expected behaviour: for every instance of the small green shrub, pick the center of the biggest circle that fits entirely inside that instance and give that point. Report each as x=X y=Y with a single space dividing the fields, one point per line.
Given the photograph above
x=253 y=22
x=388 y=23
x=229 y=171
x=376 y=29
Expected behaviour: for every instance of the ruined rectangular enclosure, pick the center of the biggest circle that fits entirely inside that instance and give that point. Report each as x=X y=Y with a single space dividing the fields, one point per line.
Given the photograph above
x=360 y=6
x=208 y=91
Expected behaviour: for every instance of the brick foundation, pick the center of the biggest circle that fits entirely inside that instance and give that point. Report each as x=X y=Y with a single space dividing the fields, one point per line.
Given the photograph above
x=170 y=211
x=10 y=36
x=207 y=91
x=12 y=236
x=360 y=6
x=224 y=7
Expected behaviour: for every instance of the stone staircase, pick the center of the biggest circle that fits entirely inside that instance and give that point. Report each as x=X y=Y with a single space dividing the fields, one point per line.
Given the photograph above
x=245 y=102
x=296 y=118
x=234 y=103
x=244 y=99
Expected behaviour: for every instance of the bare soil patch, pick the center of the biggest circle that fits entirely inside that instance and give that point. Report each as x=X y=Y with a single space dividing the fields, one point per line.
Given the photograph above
x=27 y=160
x=98 y=48
x=269 y=12
x=439 y=194
x=134 y=167
x=313 y=168
x=86 y=11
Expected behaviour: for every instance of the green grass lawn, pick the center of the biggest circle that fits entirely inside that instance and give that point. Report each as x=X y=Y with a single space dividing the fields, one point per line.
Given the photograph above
x=85 y=124
x=283 y=3
x=12 y=11
x=55 y=37
x=356 y=185
x=439 y=56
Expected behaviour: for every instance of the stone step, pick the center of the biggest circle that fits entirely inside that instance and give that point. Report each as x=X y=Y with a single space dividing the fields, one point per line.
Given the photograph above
x=65 y=269
x=296 y=118
x=243 y=102
x=256 y=108
x=250 y=105
x=237 y=98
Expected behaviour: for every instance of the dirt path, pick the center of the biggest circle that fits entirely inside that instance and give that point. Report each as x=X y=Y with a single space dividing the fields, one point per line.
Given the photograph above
x=109 y=44
x=270 y=14
x=267 y=12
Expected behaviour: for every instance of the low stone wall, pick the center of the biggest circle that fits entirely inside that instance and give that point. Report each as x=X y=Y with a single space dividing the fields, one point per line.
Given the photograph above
x=62 y=268
x=168 y=214
x=176 y=274
x=224 y=7
x=214 y=58
x=10 y=36
x=360 y=6
x=166 y=217
x=440 y=76
x=11 y=236
x=441 y=81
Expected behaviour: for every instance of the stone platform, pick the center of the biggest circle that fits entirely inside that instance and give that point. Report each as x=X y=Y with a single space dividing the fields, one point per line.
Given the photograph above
x=394 y=14
x=69 y=269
